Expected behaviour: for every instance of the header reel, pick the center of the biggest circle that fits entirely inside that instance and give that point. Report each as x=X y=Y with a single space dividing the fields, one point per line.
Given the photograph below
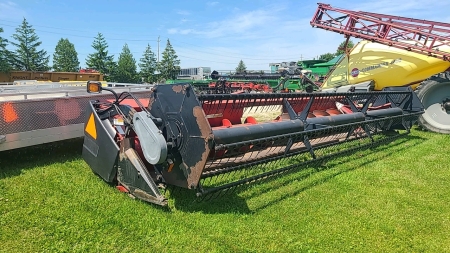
x=214 y=143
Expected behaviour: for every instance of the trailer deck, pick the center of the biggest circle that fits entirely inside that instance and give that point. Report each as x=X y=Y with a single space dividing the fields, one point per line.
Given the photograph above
x=48 y=112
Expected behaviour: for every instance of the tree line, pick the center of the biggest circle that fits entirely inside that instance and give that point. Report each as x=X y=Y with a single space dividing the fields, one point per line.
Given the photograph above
x=28 y=57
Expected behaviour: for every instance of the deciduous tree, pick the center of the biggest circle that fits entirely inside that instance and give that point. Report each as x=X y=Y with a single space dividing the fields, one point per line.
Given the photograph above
x=340 y=50
x=327 y=56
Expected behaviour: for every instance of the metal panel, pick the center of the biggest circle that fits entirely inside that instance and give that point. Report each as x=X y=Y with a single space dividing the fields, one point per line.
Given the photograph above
x=36 y=137
x=27 y=122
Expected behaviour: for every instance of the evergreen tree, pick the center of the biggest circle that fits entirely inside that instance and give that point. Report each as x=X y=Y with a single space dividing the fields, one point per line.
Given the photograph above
x=65 y=58
x=27 y=56
x=100 y=60
x=111 y=66
x=169 y=64
x=126 y=67
x=5 y=55
x=147 y=65
x=241 y=68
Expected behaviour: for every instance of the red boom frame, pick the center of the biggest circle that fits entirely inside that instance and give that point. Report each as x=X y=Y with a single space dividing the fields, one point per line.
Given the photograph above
x=427 y=36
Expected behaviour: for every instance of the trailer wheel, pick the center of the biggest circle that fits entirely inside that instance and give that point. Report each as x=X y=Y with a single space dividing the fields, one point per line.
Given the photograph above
x=435 y=96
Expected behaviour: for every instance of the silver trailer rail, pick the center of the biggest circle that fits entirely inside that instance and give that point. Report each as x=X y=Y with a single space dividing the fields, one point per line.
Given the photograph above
x=49 y=112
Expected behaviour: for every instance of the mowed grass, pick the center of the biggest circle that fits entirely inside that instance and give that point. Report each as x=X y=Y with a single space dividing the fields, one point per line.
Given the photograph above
x=392 y=198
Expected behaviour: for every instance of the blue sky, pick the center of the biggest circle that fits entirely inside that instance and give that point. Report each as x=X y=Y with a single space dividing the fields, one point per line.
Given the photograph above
x=214 y=33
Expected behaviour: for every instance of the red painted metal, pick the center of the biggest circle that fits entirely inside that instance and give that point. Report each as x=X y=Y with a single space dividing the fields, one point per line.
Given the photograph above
x=245 y=86
x=122 y=188
x=426 y=36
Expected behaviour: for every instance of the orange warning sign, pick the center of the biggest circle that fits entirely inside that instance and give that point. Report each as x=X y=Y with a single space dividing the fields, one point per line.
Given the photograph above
x=90 y=127
x=9 y=114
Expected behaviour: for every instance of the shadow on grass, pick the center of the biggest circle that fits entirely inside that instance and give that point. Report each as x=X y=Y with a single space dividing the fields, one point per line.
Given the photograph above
x=185 y=200
x=232 y=202
x=377 y=152
x=13 y=162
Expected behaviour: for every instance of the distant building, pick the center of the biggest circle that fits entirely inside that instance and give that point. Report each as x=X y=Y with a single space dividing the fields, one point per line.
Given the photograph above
x=290 y=67
x=315 y=68
x=199 y=73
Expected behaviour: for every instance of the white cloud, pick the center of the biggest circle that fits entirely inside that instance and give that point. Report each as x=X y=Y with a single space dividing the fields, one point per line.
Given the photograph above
x=179 y=31
x=412 y=8
x=212 y=3
x=268 y=34
x=183 y=12
x=386 y=6
x=172 y=31
x=243 y=24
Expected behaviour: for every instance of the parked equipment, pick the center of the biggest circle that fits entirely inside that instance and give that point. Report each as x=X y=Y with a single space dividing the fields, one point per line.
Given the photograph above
x=283 y=81
x=214 y=143
x=394 y=51
x=48 y=112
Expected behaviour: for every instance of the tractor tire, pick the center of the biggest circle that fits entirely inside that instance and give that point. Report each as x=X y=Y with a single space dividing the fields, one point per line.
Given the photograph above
x=434 y=94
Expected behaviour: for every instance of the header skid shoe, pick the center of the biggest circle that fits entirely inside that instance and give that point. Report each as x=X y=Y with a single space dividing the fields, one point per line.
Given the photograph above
x=215 y=143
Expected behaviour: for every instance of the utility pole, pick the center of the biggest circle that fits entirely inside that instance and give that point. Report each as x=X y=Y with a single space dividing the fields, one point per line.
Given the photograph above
x=158 y=48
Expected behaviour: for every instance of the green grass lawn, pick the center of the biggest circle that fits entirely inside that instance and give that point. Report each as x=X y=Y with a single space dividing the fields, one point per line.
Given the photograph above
x=392 y=198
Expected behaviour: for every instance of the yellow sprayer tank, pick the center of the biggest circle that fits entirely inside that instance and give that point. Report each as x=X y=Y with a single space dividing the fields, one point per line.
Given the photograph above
x=385 y=65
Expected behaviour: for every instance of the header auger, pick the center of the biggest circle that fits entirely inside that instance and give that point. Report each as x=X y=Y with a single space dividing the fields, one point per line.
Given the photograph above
x=214 y=143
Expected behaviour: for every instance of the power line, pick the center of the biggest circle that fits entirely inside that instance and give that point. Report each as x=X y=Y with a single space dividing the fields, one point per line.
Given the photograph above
x=82 y=36
x=247 y=57
x=241 y=56
x=216 y=53
x=73 y=30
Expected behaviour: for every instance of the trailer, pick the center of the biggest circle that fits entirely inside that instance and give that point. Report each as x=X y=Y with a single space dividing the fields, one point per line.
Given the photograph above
x=48 y=112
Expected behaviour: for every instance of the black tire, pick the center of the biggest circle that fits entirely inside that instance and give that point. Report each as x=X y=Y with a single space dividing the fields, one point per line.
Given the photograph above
x=432 y=93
